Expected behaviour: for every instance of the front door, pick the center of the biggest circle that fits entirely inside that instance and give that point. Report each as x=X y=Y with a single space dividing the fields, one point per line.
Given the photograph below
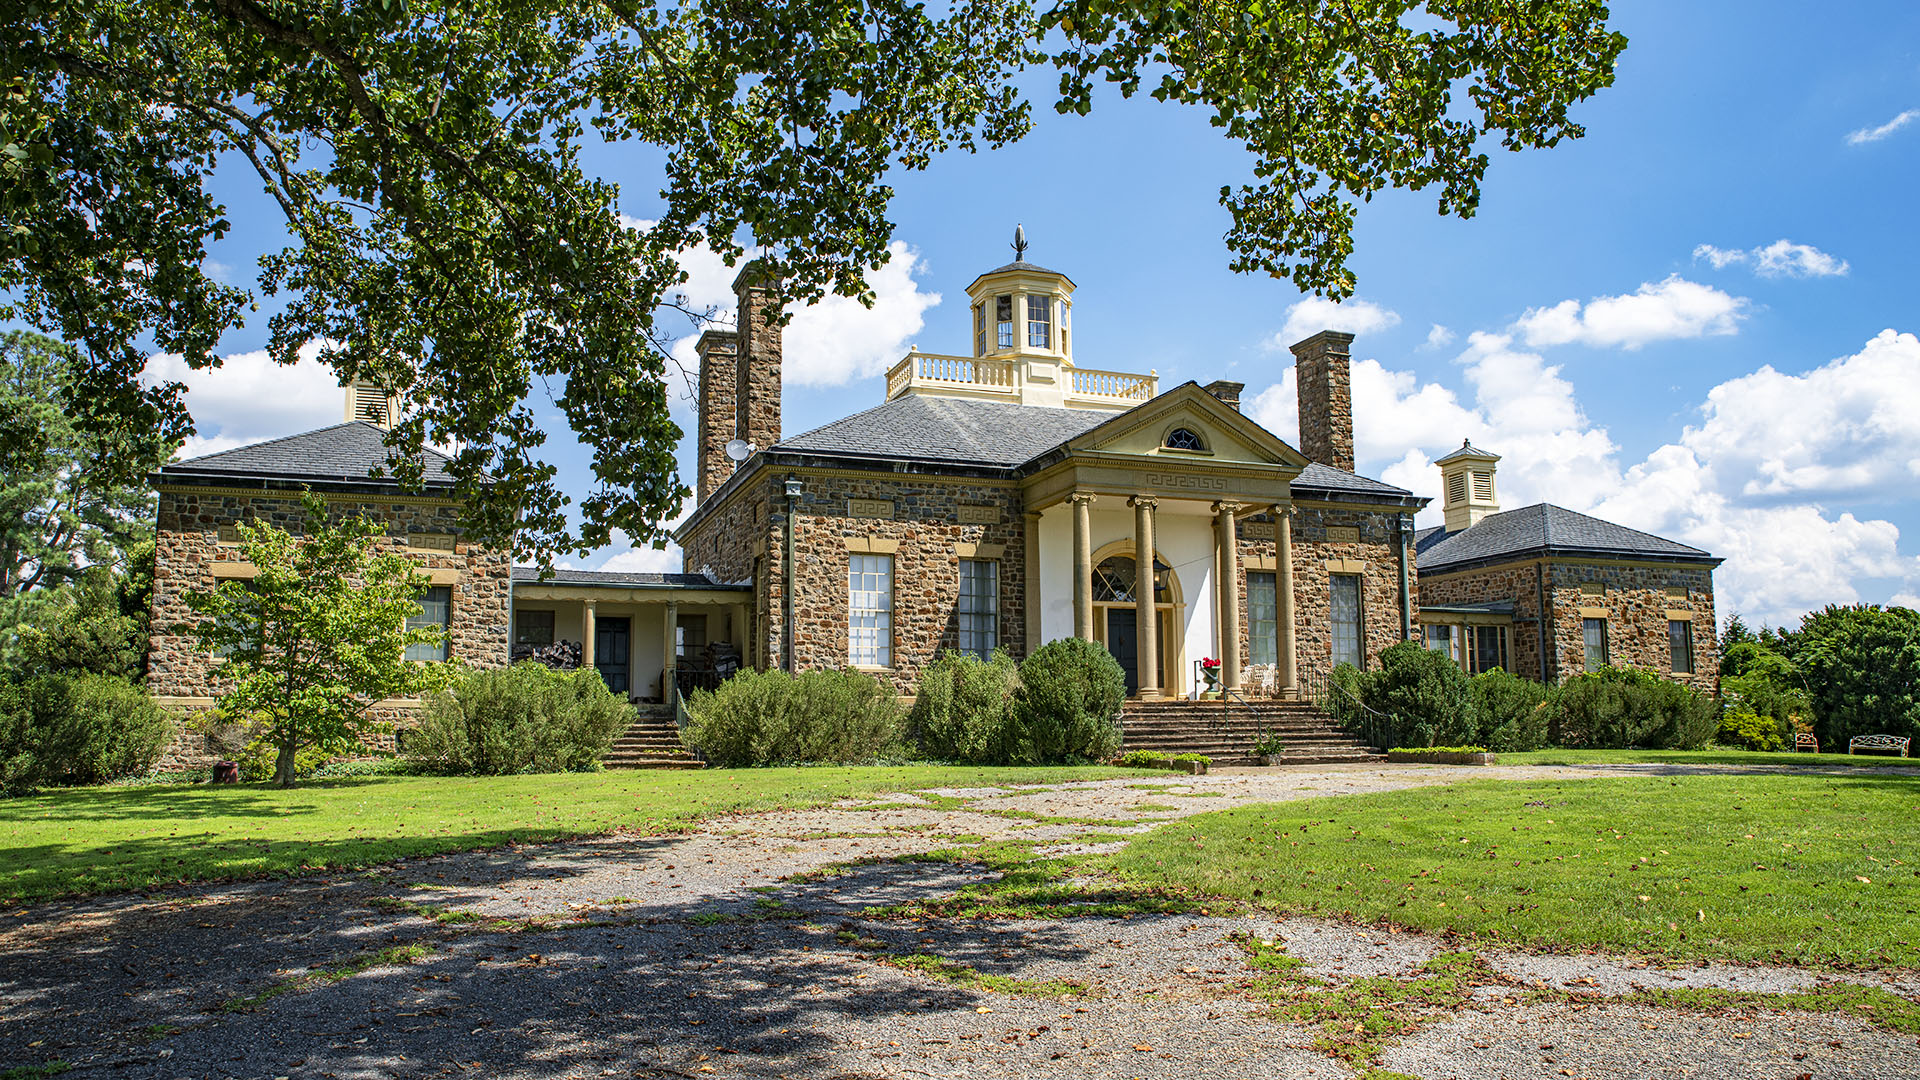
x=1124 y=643
x=612 y=639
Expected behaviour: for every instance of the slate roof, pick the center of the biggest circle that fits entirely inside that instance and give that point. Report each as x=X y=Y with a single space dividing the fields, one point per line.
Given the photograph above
x=1318 y=477
x=530 y=575
x=343 y=453
x=1021 y=264
x=1544 y=528
x=1467 y=449
x=951 y=430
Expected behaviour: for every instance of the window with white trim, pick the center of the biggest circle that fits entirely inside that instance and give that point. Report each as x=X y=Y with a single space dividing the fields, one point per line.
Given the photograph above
x=979 y=614
x=870 y=610
x=1039 y=322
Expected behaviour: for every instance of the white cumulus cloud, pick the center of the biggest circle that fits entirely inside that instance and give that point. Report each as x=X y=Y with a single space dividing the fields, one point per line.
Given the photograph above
x=249 y=398
x=1439 y=337
x=1782 y=258
x=1872 y=135
x=1672 y=309
x=1308 y=317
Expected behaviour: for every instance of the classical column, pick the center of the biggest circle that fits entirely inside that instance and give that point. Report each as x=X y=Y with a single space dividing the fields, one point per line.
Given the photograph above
x=1289 y=675
x=587 y=616
x=1082 y=564
x=1033 y=603
x=668 y=661
x=1149 y=615
x=737 y=630
x=1226 y=536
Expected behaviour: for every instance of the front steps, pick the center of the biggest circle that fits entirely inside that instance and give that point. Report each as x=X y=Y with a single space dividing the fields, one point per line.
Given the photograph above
x=1226 y=732
x=653 y=742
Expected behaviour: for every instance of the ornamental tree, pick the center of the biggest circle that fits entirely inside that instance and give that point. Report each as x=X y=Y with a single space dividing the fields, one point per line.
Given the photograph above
x=317 y=636
x=447 y=240
x=1861 y=665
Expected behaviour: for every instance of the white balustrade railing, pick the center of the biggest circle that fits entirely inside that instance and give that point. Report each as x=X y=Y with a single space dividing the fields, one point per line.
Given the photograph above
x=1120 y=385
x=989 y=376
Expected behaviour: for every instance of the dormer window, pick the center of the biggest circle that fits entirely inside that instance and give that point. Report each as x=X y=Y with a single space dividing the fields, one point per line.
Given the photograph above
x=1003 y=320
x=1039 y=322
x=1184 y=439
x=980 y=329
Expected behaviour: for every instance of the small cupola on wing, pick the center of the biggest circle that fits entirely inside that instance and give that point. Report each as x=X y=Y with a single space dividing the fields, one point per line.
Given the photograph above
x=368 y=400
x=1466 y=486
x=1021 y=329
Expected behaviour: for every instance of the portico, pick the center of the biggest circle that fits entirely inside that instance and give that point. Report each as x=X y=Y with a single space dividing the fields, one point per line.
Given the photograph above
x=642 y=632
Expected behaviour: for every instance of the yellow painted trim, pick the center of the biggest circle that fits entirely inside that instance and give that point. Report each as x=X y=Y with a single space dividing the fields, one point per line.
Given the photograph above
x=1596 y=613
x=1347 y=566
x=1638 y=564
x=1679 y=616
x=294 y=495
x=872 y=545
x=445 y=577
x=980 y=551
x=234 y=570
x=1260 y=562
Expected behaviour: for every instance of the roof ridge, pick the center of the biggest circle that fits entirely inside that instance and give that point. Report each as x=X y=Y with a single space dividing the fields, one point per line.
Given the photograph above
x=264 y=442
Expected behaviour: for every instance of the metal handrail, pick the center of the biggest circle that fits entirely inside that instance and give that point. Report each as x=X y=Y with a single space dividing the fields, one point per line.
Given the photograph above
x=1355 y=715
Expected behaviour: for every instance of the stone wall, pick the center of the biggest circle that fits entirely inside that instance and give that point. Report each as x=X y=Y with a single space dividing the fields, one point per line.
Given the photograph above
x=1323 y=379
x=188 y=550
x=740 y=541
x=719 y=375
x=1356 y=535
x=1489 y=584
x=920 y=520
x=757 y=365
x=1636 y=600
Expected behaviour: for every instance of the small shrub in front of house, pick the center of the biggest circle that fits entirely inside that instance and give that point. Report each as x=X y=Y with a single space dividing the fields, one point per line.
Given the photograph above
x=1429 y=698
x=1741 y=726
x=62 y=729
x=1143 y=759
x=1625 y=708
x=964 y=710
x=1511 y=711
x=774 y=717
x=1067 y=709
x=527 y=718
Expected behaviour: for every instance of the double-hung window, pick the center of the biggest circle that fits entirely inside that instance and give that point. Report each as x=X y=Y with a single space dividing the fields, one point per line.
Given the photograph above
x=436 y=612
x=1263 y=618
x=1594 y=632
x=1039 y=322
x=870 y=610
x=1489 y=649
x=1003 y=321
x=1680 y=644
x=979 y=615
x=1347 y=634
x=980 y=329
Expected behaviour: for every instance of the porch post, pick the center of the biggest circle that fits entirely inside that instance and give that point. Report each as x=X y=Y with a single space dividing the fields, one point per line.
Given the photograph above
x=1289 y=674
x=587 y=616
x=1226 y=536
x=1082 y=564
x=667 y=658
x=1148 y=656
x=737 y=629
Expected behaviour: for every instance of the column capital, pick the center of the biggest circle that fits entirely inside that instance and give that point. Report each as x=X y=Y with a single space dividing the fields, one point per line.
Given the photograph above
x=1280 y=510
x=1081 y=498
x=1147 y=501
x=1227 y=506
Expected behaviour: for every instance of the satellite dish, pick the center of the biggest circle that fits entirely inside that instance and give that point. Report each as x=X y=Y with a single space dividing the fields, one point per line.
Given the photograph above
x=739 y=450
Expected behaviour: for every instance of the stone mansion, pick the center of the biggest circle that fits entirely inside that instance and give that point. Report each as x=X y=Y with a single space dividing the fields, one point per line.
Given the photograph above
x=998 y=499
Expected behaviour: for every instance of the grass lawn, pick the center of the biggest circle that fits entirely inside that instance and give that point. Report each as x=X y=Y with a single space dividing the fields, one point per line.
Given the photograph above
x=91 y=840
x=1803 y=869
x=1701 y=757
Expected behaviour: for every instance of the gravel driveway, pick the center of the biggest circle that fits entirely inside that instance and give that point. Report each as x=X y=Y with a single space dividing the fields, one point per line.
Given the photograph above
x=699 y=954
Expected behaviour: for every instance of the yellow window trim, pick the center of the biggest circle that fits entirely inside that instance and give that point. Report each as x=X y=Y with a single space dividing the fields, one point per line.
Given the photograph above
x=1595 y=613
x=1260 y=562
x=1347 y=566
x=238 y=571
x=1679 y=616
x=872 y=545
x=980 y=551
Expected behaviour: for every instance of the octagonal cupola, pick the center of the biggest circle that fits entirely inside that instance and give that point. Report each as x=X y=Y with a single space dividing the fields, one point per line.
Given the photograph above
x=1022 y=310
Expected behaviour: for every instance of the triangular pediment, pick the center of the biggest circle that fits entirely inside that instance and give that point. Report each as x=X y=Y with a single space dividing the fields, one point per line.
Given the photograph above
x=1225 y=435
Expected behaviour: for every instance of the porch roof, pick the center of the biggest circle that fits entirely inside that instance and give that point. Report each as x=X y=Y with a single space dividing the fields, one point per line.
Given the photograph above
x=530 y=575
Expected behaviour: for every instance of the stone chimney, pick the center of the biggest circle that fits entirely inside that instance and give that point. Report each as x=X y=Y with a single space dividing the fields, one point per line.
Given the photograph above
x=1326 y=398
x=1228 y=392
x=719 y=377
x=1466 y=486
x=757 y=362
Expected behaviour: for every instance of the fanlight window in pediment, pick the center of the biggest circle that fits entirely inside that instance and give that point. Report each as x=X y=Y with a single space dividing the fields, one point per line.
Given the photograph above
x=1184 y=439
x=1116 y=577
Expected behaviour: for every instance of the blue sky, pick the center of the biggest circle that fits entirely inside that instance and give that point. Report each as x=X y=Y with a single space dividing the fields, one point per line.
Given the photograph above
x=1680 y=322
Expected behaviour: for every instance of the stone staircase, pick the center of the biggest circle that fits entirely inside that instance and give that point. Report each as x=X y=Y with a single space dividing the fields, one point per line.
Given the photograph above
x=653 y=742
x=1226 y=733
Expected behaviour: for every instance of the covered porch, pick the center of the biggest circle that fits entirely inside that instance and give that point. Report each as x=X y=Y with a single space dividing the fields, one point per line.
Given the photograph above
x=645 y=633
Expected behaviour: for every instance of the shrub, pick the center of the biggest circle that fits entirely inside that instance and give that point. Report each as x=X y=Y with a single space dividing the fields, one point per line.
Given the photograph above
x=521 y=719
x=1625 y=708
x=1862 y=668
x=1067 y=708
x=965 y=708
x=1142 y=759
x=1426 y=694
x=770 y=717
x=1741 y=726
x=1512 y=711
x=77 y=729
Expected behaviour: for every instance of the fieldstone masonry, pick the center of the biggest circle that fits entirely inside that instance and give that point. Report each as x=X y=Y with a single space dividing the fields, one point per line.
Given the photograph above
x=719 y=380
x=1324 y=381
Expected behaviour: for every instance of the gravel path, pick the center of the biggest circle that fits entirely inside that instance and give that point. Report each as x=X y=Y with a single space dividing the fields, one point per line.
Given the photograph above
x=656 y=956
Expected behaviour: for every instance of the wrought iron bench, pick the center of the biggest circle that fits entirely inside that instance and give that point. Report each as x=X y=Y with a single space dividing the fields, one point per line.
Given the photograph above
x=1876 y=743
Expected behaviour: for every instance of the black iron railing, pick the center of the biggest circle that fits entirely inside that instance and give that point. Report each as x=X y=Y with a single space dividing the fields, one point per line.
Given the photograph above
x=1340 y=702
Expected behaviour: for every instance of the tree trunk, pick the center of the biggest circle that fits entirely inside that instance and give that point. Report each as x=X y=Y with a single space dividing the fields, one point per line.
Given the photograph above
x=283 y=767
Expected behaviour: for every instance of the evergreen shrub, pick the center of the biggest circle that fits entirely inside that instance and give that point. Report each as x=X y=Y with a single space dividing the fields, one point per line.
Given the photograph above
x=1067 y=709
x=527 y=718
x=61 y=729
x=1618 y=708
x=964 y=711
x=1511 y=711
x=1428 y=697
x=774 y=717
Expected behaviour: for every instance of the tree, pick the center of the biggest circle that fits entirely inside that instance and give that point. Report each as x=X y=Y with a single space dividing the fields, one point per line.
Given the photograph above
x=447 y=241
x=317 y=636
x=70 y=498
x=96 y=623
x=1861 y=664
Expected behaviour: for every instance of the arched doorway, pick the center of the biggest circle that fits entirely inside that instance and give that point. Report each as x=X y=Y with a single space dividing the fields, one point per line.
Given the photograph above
x=1116 y=614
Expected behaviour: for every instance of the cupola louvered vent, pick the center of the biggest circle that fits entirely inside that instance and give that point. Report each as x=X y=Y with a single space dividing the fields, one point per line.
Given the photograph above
x=1466 y=477
x=370 y=401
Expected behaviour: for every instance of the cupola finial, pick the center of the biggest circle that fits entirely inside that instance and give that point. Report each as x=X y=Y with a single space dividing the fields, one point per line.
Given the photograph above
x=1020 y=243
